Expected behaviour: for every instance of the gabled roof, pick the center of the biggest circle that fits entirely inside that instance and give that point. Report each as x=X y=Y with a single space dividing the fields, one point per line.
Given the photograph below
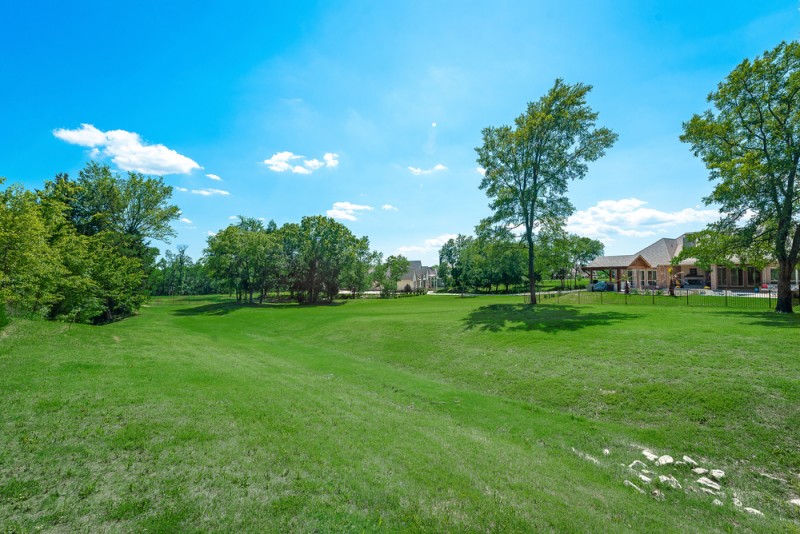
x=659 y=253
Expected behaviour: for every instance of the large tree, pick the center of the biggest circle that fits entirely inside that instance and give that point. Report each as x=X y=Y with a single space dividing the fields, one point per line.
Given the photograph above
x=750 y=143
x=529 y=166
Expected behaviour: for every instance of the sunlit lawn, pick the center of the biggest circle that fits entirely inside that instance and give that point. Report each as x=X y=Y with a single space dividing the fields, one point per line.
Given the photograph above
x=432 y=413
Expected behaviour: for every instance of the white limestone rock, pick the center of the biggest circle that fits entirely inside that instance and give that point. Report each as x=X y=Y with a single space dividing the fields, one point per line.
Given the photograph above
x=636 y=464
x=645 y=479
x=717 y=474
x=649 y=455
x=689 y=461
x=707 y=482
x=665 y=460
x=658 y=494
x=716 y=502
x=737 y=502
x=670 y=481
x=606 y=452
x=699 y=471
x=795 y=502
x=753 y=511
x=632 y=485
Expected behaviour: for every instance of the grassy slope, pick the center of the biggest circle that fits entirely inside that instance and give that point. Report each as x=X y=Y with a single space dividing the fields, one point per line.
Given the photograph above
x=430 y=413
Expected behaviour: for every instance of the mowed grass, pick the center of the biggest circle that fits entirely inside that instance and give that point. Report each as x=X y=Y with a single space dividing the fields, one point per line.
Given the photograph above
x=432 y=413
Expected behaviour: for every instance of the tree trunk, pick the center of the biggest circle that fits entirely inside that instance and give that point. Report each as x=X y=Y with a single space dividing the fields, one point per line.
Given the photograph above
x=784 y=300
x=531 y=276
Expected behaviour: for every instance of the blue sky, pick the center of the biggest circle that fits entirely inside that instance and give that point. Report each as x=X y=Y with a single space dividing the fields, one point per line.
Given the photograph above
x=368 y=111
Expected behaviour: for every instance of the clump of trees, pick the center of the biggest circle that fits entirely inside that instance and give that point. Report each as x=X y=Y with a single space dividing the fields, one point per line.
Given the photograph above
x=495 y=257
x=311 y=261
x=79 y=250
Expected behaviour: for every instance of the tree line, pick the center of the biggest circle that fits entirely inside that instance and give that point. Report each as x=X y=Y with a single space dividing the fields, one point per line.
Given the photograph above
x=496 y=258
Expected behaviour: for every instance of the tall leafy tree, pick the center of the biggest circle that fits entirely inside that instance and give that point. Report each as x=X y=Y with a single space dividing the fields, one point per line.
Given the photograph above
x=750 y=143
x=528 y=167
x=390 y=273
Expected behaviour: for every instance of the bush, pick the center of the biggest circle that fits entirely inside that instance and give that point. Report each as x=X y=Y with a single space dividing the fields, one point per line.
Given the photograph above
x=4 y=320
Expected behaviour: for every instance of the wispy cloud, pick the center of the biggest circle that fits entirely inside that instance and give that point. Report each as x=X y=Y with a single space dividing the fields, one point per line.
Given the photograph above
x=388 y=207
x=181 y=189
x=429 y=245
x=185 y=220
x=288 y=161
x=211 y=234
x=213 y=177
x=481 y=171
x=628 y=217
x=127 y=150
x=416 y=171
x=347 y=211
x=210 y=192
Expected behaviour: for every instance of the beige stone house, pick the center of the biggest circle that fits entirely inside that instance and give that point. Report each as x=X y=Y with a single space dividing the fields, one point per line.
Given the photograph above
x=418 y=277
x=651 y=267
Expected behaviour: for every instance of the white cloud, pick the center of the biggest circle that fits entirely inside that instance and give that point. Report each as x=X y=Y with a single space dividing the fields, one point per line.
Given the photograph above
x=628 y=217
x=211 y=234
x=388 y=207
x=214 y=177
x=331 y=160
x=282 y=162
x=429 y=245
x=127 y=150
x=481 y=171
x=416 y=171
x=233 y=217
x=181 y=189
x=185 y=220
x=210 y=192
x=347 y=211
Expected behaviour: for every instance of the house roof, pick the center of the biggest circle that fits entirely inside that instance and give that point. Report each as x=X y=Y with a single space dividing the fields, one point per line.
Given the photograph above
x=659 y=253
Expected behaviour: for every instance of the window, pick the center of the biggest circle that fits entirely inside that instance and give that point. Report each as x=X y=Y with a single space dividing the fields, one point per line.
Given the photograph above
x=722 y=276
x=773 y=275
x=753 y=276
x=737 y=277
x=693 y=271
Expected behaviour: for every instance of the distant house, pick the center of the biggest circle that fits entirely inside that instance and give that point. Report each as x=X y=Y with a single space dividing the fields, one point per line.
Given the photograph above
x=418 y=277
x=651 y=267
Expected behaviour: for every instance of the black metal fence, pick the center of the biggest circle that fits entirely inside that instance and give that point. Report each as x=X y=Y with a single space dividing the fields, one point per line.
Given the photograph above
x=762 y=299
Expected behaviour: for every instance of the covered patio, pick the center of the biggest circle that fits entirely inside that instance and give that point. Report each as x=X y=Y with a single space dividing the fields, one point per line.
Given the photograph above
x=631 y=268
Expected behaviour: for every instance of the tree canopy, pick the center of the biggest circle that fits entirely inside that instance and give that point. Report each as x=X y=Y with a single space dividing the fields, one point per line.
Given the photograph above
x=750 y=143
x=528 y=167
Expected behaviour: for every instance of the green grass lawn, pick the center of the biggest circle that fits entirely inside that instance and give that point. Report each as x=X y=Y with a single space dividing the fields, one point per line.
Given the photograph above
x=435 y=413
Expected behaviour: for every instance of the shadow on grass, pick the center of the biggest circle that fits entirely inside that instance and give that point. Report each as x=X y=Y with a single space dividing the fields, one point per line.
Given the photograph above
x=224 y=308
x=549 y=319
x=765 y=317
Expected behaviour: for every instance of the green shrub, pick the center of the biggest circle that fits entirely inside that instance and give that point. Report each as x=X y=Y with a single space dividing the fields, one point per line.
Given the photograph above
x=4 y=320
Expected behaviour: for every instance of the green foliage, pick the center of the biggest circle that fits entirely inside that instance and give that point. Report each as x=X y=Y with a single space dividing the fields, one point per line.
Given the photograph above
x=313 y=259
x=390 y=272
x=79 y=251
x=4 y=320
x=750 y=143
x=528 y=167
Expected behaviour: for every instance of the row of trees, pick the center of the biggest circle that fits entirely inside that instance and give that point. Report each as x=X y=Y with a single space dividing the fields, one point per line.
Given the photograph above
x=494 y=257
x=312 y=261
x=79 y=250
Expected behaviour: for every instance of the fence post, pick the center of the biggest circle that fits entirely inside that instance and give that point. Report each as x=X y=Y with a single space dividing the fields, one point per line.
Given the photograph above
x=654 y=296
x=726 y=297
x=687 y=297
x=769 y=296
